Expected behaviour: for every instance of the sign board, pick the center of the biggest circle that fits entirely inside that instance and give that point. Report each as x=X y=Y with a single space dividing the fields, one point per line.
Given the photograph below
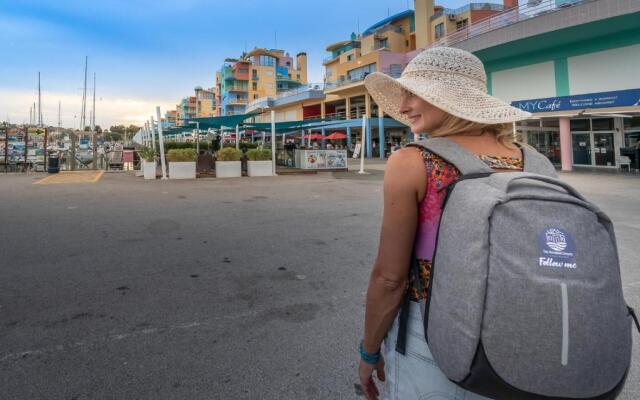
x=356 y=151
x=323 y=159
x=618 y=98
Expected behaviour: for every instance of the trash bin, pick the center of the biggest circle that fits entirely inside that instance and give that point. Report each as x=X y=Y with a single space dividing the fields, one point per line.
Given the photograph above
x=54 y=164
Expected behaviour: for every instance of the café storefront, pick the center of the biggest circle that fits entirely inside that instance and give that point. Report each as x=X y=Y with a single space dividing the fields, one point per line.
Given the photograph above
x=598 y=130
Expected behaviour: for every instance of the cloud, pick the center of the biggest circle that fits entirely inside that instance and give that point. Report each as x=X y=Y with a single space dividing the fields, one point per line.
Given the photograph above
x=15 y=104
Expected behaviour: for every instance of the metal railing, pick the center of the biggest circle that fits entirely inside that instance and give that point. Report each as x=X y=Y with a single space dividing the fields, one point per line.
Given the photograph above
x=237 y=101
x=359 y=77
x=328 y=59
x=468 y=7
x=301 y=89
x=509 y=17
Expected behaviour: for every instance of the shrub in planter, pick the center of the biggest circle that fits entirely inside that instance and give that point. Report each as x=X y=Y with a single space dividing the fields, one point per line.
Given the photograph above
x=182 y=163
x=148 y=163
x=228 y=163
x=204 y=145
x=259 y=163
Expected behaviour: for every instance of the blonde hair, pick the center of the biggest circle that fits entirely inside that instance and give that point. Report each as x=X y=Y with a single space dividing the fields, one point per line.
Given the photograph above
x=453 y=125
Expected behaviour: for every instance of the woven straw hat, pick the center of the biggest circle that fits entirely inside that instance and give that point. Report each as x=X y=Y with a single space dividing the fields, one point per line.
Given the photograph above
x=452 y=80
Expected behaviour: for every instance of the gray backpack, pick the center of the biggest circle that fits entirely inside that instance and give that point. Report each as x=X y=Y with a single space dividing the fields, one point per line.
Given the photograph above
x=525 y=298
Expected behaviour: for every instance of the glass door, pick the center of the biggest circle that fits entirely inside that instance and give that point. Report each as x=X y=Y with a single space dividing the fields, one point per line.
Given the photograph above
x=582 y=148
x=603 y=149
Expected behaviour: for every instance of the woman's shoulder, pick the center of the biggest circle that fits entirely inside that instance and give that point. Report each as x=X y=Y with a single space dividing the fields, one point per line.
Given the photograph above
x=405 y=165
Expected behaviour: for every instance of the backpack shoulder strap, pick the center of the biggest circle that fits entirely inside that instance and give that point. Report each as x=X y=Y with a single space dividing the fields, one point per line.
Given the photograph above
x=536 y=163
x=465 y=161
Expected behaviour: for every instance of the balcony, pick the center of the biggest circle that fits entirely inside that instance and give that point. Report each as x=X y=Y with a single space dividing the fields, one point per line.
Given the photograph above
x=260 y=104
x=327 y=60
x=236 y=88
x=468 y=7
x=506 y=18
x=355 y=78
x=237 y=101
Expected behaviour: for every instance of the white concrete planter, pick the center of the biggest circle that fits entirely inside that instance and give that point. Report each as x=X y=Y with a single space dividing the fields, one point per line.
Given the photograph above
x=228 y=169
x=259 y=168
x=182 y=170
x=149 y=169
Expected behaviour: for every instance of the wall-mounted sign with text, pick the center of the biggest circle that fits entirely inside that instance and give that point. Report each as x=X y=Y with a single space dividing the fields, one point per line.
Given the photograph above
x=619 y=98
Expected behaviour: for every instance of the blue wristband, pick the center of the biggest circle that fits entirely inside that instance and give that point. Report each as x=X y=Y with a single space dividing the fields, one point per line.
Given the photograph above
x=369 y=358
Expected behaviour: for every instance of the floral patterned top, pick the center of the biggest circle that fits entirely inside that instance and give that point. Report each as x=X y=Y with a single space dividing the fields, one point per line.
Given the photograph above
x=439 y=174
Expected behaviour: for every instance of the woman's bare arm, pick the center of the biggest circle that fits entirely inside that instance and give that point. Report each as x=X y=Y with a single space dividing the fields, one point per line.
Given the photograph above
x=404 y=183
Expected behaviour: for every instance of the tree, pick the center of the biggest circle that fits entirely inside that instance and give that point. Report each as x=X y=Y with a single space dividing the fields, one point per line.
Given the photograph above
x=117 y=129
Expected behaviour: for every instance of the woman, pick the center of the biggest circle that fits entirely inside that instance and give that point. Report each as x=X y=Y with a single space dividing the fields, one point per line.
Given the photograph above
x=442 y=92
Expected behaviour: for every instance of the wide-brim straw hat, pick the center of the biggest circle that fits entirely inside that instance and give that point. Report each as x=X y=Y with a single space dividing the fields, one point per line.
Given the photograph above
x=451 y=79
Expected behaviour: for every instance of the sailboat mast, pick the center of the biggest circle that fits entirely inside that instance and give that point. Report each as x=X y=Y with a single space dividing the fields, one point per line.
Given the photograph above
x=39 y=104
x=93 y=113
x=83 y=113
x=59 y=120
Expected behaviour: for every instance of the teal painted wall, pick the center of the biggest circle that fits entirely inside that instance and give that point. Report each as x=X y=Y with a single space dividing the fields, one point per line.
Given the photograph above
x=489 y=83
x=561 y=69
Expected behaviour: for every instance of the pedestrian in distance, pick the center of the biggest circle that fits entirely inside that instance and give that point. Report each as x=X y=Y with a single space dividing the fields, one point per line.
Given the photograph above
x=421 y=338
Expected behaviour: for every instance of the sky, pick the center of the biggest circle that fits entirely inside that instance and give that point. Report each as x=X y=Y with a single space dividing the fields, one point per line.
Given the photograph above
x=148 y=53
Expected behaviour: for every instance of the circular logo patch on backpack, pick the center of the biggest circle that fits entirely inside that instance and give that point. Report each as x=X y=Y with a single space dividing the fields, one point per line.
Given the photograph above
x=556 y=240
x=556 y=249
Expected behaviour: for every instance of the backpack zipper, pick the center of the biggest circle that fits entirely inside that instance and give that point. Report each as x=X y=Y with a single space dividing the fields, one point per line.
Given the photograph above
x=635 y=318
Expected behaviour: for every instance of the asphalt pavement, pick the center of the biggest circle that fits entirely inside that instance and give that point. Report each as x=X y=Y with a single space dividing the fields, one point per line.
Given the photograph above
x=247 y=288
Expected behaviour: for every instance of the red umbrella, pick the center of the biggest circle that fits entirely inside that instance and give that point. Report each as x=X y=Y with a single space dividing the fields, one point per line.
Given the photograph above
x=313 y=136
x=336 y=135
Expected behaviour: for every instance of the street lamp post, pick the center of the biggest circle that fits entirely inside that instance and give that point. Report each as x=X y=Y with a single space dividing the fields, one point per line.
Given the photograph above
x=197 y=135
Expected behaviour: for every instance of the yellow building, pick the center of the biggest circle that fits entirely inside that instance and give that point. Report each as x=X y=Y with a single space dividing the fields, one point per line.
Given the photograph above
x=257 y=74
x=205 y=102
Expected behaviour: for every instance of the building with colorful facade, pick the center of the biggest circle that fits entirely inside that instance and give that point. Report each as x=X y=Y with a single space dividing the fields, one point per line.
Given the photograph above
x=205 y=102
x=573 y=63
x=260 y=73
x=386 y=46
x=185 y=110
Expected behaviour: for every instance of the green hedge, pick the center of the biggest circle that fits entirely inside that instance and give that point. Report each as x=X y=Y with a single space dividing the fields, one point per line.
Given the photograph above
x=244 y=146
x=186 y=145
x=178 y=155
x=229 y=154
x=259 y=155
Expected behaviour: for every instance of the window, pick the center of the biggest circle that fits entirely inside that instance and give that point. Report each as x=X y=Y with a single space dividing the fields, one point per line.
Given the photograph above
x=298 y=76
x=243 y=71
x=267 y=61
x=631 y=139
x=350 y=57
x=580 y=125
x=254 y=74
x=551 y=122
x=255 y=85
x=602 y=124
x=382 y=43
x=288 y=63
x=362 y=72
x=255 y=96
x=462 y=24
x=632 y=123
x=439 y=30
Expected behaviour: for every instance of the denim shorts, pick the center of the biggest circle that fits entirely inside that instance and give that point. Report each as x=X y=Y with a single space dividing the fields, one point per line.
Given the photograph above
x=416 y=375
